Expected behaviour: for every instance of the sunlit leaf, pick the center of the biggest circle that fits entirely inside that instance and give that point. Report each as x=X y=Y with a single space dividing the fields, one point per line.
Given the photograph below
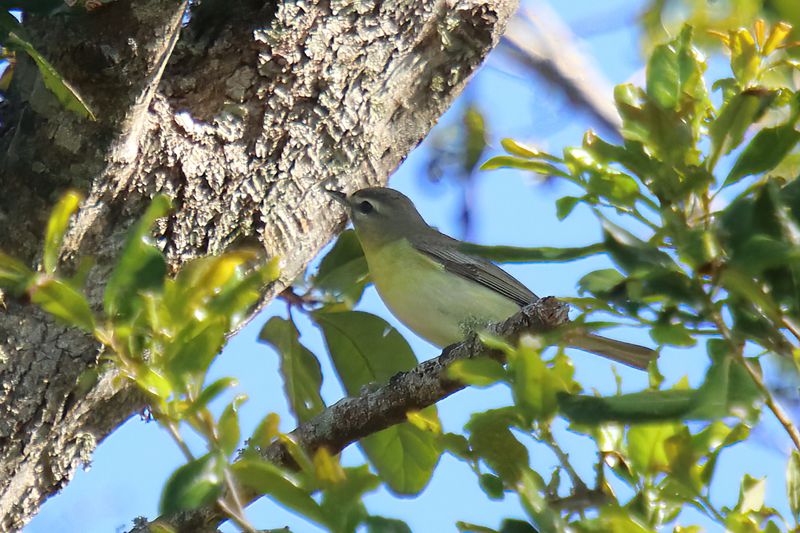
x=64 y=302
x=140 y=268
x=300 y=370
x=538 y=167
x=63 y=91
x=194 y=348
x=228 y=426
x=674 y=71
x=646 y=445
x=480 y=372
x=265 y=478
x=404 y=456
x=211 y=392
x=793 y=483
x=56 y=228
x=366 y=349
x=745 y=60
x=535 y=385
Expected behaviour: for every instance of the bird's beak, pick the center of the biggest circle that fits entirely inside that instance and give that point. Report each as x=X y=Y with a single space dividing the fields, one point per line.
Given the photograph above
x=339 y=197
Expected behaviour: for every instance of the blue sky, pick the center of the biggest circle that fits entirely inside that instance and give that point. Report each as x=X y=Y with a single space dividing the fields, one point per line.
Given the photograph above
x=130 y=467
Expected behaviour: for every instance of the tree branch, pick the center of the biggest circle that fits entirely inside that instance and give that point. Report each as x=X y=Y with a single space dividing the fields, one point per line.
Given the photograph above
x=351 y=419
x=545 y=45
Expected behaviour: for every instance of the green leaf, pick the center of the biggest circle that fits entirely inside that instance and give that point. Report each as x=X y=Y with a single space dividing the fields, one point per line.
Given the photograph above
x=474 y=138
x=675 y=71
x=300 y=370
x=619 y=188
x=240 y=295
x=764 y=152
x=536 y=386
x=600 y=282
x=194 y=484
x=631 y=253
x=380 y=524
x=266 y=431
x=514 y=148
x=153 y=382
x=736 y=115
x=673 y=334
x=343 y=271
x=727 y=389
x=491 y=438
x=514 y=254
x=637 y=407
x=265 y=478
x=530 y=490
x=64 y=302
x=793 y=483
x=56 y=228
x=140 y=268
x=480 y=372
x=565 y=205
x=751 y=494
x=342 y=500
x=455 y=444
x=745 y=60
x=404 y=456
x=63 y=91
x=228 y=426
x=538 y=167
x=14 y=275
x=646 y=446
x=366 y=349
x=780 y=30
x=510 y=525
x=739 y=433
x=492 y=486
x=211 y=392
x=193 y=349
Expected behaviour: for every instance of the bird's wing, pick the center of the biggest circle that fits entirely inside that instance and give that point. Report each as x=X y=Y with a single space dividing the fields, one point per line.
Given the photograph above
x=476 y=269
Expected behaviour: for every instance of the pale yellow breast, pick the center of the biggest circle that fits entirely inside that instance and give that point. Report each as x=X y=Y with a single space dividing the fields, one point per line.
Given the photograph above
x=437 y=305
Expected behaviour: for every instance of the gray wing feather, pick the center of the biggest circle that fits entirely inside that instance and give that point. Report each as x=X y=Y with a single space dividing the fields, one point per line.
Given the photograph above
x=475 y=269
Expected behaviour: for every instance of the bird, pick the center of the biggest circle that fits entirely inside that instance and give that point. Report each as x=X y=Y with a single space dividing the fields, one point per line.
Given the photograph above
x=438 y=291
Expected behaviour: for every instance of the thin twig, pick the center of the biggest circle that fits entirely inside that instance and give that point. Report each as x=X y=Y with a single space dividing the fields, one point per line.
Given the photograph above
x=770 y=401
x=546 y=437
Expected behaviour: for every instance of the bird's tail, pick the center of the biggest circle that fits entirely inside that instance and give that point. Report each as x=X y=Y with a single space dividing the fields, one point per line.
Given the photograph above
x=623 y=352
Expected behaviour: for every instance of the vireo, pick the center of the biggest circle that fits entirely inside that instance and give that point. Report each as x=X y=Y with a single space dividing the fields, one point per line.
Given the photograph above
x=438 y=291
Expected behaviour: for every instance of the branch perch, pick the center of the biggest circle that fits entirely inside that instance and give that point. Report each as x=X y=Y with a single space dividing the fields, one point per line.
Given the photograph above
x=351 y=419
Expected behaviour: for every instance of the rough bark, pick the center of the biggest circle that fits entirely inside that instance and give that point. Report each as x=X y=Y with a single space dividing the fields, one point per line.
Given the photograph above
x=241 y=124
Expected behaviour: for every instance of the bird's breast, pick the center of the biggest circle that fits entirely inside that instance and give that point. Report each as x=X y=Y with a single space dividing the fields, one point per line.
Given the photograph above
x=437 y=305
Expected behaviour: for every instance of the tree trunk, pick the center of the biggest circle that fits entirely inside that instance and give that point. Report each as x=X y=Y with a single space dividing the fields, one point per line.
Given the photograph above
x=241 y=116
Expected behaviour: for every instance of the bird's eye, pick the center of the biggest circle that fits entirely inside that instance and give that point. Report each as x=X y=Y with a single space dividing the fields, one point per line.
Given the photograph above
x=365 y=207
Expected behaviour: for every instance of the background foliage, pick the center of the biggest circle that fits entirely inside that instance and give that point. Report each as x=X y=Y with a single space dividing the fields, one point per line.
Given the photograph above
x=699 y=208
